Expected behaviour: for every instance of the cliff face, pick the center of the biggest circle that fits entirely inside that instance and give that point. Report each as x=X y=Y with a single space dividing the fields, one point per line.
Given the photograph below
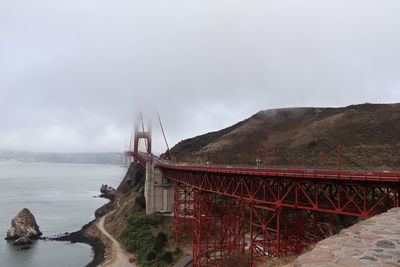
x=296 y=136
x=131 y=192
x=149 y=237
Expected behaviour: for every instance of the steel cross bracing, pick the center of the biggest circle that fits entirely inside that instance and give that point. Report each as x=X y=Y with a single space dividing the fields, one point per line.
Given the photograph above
x=183 y=212
x=219 y=228
x=338 y=196
x=289 y=209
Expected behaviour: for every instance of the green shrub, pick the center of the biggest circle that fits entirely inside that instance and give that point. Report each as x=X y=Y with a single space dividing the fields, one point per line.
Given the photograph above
x=161 y=241
x=139 y=239
x=166 y=257
x=151 y=255
x=141 y=202
x=177 y=251
x=312 y=144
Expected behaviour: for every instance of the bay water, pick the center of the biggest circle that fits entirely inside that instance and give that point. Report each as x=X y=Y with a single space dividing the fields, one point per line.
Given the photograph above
x=62 y=199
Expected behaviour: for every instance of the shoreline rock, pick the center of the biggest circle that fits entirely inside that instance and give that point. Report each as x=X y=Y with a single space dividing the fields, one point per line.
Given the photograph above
x=23 y=228
x=23 y=240
x=86 y=235
x=90 y=235
x=83 y=236
x=107 y=191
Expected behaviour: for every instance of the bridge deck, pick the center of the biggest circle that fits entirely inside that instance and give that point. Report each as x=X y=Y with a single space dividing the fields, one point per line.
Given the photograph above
x=381 y=176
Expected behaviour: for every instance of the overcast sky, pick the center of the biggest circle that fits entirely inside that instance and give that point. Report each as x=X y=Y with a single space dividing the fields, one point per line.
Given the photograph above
x=73 y=74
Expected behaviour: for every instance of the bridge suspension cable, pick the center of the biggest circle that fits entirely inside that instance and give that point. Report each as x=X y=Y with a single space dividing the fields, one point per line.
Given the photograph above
x=165 y=139
x=141 y=118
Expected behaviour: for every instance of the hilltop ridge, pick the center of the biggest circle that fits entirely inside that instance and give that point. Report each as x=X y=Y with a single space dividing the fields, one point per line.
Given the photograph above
x=297 y=136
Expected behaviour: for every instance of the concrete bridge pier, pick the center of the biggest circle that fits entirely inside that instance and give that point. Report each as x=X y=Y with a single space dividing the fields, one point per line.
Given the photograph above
x=158 y=192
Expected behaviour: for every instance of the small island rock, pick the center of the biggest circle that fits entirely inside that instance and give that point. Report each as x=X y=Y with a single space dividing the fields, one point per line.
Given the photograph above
x=23 y=240
x=24 y=225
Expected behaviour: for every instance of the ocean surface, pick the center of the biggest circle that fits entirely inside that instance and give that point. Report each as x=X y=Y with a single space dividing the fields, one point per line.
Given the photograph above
x=61 y=197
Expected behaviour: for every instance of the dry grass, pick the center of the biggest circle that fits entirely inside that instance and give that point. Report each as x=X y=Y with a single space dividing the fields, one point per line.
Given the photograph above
x=236 y=260
x=279 y=262
x=369 y=132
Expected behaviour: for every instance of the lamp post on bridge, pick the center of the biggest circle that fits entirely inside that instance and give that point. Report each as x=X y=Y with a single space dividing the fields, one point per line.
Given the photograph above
x=258 y=160
x=339 y=151
x=240 y=159
x=323 y=160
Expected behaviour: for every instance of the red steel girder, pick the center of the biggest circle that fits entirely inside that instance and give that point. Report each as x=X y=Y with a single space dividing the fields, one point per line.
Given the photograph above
x=219 y=228
x=356 y=198
x=290 y=208
x=276 y=231
x=183 y=213
x=380 y=176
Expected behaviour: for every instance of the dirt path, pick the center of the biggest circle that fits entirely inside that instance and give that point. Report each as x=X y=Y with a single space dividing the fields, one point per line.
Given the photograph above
x=119 y=258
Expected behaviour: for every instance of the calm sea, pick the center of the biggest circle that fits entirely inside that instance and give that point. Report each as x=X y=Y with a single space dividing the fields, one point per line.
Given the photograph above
x=61 y=197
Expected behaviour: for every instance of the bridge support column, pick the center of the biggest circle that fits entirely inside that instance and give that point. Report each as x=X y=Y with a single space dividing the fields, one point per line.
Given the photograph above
x=157 y=190
x=183 y=213
x=219 y=228
x=277 y=231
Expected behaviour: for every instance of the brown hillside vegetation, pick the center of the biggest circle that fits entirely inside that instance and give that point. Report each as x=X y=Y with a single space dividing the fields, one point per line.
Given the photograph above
x=297 y=136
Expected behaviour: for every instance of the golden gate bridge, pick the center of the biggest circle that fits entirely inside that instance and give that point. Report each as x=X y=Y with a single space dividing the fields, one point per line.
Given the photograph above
x=284 y=210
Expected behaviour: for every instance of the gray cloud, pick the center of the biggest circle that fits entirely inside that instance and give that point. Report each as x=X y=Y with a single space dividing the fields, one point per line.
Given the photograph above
x=73 y=74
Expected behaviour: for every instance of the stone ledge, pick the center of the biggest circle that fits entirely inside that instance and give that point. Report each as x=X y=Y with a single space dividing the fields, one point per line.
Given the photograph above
x=373 y=242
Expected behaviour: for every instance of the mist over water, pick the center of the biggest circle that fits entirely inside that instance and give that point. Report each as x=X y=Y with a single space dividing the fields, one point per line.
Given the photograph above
x=60 y=196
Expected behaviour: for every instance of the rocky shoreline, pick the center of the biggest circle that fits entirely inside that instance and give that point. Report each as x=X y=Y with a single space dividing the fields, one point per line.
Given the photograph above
x=87 y=236
x=82 y=236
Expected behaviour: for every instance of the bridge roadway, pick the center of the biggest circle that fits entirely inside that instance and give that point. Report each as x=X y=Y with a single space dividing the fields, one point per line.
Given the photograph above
x=289 y=209
x=357 y=193
x=385 y=176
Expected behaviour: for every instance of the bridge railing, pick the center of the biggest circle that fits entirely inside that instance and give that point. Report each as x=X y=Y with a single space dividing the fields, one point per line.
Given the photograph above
x=287 y=171
x=393 y=176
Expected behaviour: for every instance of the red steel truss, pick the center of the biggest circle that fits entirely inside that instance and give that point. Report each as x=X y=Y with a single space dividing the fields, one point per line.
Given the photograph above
x=286 y=214
x=276 y=231
x=183 y=213
x=356 y=198
x=289 y=208
x=219 y=228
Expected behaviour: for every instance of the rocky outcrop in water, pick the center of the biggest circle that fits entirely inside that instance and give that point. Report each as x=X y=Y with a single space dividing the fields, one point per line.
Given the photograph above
x=23 y=240
x=107 y=191
x=23 y=228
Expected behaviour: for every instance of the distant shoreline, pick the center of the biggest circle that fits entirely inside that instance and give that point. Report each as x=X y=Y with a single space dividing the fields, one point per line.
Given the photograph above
x=111 y=158
x=53 y=162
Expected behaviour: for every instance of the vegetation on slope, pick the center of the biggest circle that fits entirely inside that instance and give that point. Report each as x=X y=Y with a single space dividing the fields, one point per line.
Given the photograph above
x=145 y=237
x=148 y=237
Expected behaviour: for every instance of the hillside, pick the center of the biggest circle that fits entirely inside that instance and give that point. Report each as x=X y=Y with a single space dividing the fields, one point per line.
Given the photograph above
x=297 y=136
x=147 y=237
